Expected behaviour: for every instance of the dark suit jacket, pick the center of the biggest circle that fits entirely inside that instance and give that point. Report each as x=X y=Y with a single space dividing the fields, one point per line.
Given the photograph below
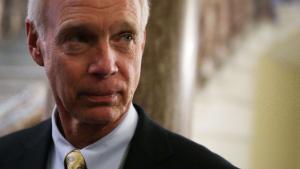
x=152 y=147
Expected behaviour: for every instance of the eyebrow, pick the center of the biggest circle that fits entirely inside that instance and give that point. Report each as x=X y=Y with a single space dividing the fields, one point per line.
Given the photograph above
x=124 y=25
x=71 y=28
x=68 y=28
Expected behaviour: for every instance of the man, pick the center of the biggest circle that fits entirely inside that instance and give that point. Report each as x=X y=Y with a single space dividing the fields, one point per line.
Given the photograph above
x=91 y=51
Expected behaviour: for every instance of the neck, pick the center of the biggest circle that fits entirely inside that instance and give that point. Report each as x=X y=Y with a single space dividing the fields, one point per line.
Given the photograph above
x=81 y=134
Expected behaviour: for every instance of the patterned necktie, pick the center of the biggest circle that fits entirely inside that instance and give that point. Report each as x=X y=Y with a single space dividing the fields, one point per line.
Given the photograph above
x=74 y=160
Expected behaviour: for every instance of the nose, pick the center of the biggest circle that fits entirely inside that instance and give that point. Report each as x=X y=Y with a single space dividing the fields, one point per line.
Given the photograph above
x=104 y=64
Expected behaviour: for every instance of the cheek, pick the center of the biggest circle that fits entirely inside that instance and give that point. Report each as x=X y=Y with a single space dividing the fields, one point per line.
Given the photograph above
x=138 y=63
x=129 y=67
x=134 y=71
x=137 y=70
x=69 y=74
x=64 y=76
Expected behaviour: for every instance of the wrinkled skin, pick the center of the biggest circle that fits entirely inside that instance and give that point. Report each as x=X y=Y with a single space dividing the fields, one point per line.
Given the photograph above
x=91 y=52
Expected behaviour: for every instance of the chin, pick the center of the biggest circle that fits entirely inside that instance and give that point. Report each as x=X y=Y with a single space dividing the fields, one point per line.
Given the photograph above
x=100 y=115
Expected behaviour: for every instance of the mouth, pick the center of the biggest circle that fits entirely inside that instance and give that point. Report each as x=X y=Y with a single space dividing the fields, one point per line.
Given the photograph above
x=100 y=98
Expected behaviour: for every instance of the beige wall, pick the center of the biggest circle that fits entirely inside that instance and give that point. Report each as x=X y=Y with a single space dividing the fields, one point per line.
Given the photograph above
x=277 y=119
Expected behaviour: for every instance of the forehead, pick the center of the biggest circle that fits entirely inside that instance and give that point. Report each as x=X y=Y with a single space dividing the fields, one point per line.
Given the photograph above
x=103 y=11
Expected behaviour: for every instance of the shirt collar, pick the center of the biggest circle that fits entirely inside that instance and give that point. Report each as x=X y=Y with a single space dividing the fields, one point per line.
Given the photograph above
x=109 y=151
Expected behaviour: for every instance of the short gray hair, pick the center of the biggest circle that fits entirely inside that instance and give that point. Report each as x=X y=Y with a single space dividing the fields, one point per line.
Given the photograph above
x=35 y=13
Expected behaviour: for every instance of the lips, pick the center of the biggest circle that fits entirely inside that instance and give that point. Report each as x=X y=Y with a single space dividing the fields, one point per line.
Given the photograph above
x=102 y=98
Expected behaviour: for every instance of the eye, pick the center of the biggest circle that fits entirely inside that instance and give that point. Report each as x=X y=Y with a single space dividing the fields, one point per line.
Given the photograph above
x=123 y=37
x=126 y=36
x=124 y=41
x=76 y=43
x=79 y=37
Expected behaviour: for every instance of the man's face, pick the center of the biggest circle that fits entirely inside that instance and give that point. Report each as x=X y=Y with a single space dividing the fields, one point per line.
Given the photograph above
x=92 y=53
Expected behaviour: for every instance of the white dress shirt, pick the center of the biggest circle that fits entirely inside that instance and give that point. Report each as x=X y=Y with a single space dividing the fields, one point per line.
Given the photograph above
x=107 y=153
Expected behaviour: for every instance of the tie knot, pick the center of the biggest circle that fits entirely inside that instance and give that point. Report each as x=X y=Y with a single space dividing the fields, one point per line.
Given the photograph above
x=74 y=160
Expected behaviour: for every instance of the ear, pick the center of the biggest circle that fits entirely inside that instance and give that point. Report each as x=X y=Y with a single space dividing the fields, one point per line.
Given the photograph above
x=144 y=40
x=33 y=43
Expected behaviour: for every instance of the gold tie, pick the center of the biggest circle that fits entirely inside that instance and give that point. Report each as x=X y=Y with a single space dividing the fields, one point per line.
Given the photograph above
x=74 y=160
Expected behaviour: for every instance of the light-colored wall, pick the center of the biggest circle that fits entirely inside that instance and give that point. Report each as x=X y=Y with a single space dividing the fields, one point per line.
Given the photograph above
x=277 y=118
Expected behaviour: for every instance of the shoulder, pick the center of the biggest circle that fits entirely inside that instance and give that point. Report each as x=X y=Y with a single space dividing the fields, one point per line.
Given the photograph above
x=19 y=139
x=193 y=154
x=28 y=147
x=173 y=150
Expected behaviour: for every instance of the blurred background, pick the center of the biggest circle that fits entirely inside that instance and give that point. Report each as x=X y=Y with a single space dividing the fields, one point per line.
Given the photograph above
x=225 y=73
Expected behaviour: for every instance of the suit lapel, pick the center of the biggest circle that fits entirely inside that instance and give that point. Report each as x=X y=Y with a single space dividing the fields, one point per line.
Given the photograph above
x=149 y=145
x=37 y=148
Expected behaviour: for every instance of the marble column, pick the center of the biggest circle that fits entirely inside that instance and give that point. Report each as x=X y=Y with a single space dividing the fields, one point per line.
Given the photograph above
x=12 y=17
x=1 y=17
x=168 y=69
x=264 y=10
